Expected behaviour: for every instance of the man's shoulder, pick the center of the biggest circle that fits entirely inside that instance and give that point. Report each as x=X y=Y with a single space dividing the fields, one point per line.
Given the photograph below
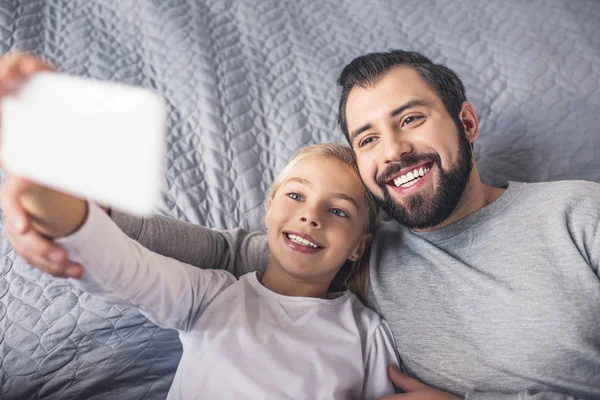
x=588 y=185
x=567 y=190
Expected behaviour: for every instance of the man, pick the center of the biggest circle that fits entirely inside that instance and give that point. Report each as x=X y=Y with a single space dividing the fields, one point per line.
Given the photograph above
x=491 y=293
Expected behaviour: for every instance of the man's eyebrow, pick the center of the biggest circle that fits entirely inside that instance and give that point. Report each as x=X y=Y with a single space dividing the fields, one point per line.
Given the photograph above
x=396 y=111
x=409 y=104
x=341 y=196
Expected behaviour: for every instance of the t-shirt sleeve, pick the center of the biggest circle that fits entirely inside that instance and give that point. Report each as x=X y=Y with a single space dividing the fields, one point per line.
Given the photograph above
x=381 y=353
x=236 y=250
x=170 y=293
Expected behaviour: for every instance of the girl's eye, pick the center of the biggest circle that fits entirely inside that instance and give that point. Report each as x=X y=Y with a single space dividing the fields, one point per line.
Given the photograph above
x=294 y=196
x=339 y=213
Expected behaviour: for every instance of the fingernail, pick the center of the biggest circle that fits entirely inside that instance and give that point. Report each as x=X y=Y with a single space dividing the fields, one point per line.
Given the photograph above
x=55 y=257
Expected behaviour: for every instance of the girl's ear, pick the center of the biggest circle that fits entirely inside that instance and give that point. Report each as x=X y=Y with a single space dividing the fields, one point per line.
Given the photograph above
x=268 y=208
x=361 y=246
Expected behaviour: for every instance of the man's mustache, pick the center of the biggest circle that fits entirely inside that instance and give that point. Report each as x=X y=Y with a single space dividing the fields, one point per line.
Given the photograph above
x=405 y=162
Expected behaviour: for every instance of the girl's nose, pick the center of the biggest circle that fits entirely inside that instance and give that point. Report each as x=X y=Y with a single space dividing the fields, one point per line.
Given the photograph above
x=313 y=222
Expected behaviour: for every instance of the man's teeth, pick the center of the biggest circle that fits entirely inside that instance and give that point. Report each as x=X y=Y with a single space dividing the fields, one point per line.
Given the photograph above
x=301 y=241
x=410 y=178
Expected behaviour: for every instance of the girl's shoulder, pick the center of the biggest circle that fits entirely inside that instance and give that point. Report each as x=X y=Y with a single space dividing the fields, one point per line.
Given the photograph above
x=366 y=318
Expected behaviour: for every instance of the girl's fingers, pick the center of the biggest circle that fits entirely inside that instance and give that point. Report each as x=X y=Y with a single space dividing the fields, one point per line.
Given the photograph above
x=43 y=254
x=29 y=65
x=70 y=270
x=17 y=67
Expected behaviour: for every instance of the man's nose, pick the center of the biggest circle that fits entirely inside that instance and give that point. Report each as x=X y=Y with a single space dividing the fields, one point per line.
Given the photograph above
x=395 y=146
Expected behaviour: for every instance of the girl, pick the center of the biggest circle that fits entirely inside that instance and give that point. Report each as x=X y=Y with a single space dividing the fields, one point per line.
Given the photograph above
x=282 y=335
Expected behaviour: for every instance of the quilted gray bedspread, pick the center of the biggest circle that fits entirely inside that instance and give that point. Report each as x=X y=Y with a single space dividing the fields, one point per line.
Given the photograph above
x=248 y=82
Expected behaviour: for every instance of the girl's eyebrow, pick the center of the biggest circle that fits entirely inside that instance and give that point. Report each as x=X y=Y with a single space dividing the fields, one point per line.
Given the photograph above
x=299 y=180
x=338 y=195
x=347 y=198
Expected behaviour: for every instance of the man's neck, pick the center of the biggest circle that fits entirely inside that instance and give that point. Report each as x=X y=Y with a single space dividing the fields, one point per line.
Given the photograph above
x=476 y=196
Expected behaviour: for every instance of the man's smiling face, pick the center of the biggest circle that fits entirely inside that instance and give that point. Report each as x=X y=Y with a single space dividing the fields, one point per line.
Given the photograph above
x=411 y=153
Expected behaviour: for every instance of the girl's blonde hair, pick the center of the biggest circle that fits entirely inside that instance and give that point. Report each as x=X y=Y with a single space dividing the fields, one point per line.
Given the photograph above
x=353 y=276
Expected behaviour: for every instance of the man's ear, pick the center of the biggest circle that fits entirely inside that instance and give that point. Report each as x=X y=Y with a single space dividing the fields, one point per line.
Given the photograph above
x=361 y=246
x=469 y=120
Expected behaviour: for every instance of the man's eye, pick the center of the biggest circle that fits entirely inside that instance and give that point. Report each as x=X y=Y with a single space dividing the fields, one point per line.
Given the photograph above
x=366 y=141
x=294 y=196
x=339 y=213
x=410 y=119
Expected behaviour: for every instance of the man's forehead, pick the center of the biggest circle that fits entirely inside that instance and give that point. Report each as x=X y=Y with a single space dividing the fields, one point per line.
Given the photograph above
x=400 y=86
x=400 y=81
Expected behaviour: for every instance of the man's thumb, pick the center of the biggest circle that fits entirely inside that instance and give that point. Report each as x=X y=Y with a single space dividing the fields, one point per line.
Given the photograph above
x=403 y=381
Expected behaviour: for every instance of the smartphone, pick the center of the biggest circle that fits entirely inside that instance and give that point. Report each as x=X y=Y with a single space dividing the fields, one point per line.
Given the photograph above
x=97 y=140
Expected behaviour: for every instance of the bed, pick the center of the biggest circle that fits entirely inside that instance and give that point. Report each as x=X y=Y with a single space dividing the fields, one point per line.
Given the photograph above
x=248 y=83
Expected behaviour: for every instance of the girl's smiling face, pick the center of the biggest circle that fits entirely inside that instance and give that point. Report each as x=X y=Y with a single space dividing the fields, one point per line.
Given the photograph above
x=316 y=221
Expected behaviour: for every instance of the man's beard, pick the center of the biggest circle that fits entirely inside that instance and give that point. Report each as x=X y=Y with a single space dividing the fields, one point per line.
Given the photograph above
x=420 y=212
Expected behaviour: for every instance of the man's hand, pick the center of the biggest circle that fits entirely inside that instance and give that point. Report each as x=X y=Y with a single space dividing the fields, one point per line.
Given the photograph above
x=34 y=248
x=414 y=390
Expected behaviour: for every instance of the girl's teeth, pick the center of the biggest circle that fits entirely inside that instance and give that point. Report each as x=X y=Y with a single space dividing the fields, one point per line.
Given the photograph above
x=301 y=241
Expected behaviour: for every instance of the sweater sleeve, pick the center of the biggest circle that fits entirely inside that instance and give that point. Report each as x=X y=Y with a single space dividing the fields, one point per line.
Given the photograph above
x=595 y=251
x=524 y=395
x=170 y=293
x=380 y=354
x=236 y=251
x=588 y=224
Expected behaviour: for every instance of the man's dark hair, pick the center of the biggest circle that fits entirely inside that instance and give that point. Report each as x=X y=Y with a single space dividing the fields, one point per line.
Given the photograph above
x=367 y=70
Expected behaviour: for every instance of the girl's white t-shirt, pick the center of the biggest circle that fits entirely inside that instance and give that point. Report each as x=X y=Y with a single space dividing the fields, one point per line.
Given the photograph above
x=240 y=339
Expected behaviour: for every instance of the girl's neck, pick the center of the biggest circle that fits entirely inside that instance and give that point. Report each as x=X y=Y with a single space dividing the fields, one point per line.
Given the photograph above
x=280 y=282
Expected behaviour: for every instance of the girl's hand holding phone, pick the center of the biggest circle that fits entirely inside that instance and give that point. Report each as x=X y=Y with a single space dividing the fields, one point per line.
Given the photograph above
x=76 y=136
x=52 y=213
